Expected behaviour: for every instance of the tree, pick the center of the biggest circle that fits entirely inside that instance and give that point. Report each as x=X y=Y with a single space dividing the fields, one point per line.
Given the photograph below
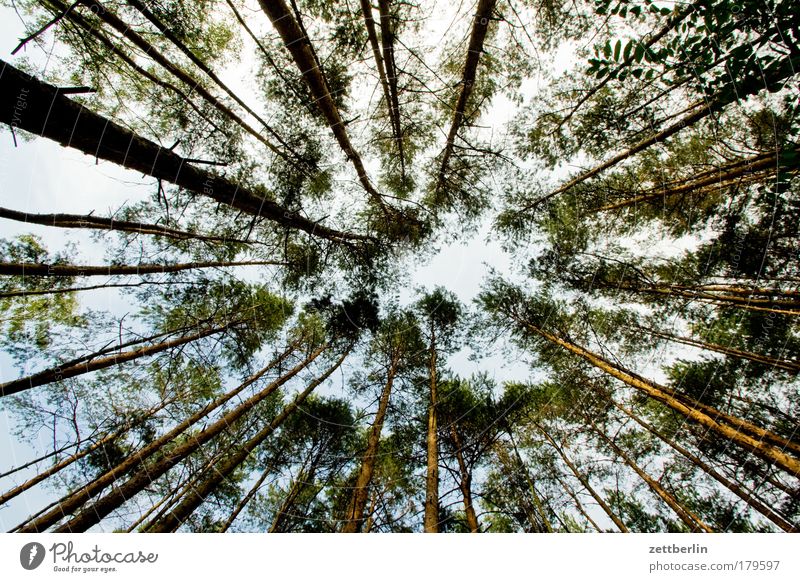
x=237 y=342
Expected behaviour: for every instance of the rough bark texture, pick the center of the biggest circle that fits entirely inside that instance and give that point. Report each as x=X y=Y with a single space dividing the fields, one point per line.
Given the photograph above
x=39 y=108
x=101 y=223
x=480 y=26
x=770 y=81
x=63 y=372
x=431 y=520
x=387 y=40
x=757 y=168
x=358 y=503
x=57 y=270
x=88 y=517
x=711 y=472
x=194 y=498
x=723 y=425
x=787 y=365
x=299 y=45
x=465 y=482
x=692 y=521
x=64 y=463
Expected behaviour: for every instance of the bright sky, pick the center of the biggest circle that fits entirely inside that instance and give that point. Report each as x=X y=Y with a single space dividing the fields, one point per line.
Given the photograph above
x=41 y=176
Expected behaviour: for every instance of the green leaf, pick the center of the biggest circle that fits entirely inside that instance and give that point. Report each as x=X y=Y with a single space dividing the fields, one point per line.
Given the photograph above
x=617 y=49
x=639 y=53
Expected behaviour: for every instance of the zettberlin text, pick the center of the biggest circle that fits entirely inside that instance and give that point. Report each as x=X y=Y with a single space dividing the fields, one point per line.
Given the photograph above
x=676 y=549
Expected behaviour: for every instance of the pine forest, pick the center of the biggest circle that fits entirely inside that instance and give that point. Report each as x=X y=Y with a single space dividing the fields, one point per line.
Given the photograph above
x=400 y=266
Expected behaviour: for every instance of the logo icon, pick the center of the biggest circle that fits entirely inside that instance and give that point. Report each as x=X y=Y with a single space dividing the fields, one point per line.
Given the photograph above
x=31 y=555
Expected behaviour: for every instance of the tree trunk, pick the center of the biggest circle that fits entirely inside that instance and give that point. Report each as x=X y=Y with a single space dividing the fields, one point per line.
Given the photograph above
x=711 y=472
x=690 y=409
x=578 y=504
x=789 y=307
x=69 y=371
x=537 y=502
x=195 y=498
x=36 y=292
x=480 y=26
x=57 y=270
x=245 y=500
x=40 y=108
x=744 y=88
x=94 y=513
x=186 y=485
x=692 y=521
x=431 y=521
x=299 y=46
x=668 y=27
x=583 y=481
x=369 y=23
x=758 y=167
x=787 y=365
x=64 y=463
x=358 y=503
x=387 y=39
x=124 y=29
x=279 y=523
x=465 y=482
x=101 y=223
x=155 y=21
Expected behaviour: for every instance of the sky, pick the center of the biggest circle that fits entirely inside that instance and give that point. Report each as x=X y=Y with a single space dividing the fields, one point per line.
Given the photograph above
x=39 y=176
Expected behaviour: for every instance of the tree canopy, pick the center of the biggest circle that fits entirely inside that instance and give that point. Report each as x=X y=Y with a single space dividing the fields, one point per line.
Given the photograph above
x=245 y=343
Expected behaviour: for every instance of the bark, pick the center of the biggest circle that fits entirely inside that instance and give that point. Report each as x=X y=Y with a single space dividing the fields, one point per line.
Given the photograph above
x=480 y=26
x=387 y=40
x=758 y=441
x=63 y=372
x=711 y=472
x=758 y=168
x=465 y=482
x=35 y=292
x=64 y=463
x=279 y=523
x=111 y=19
x=75 y=18
x=771 y=81
x=431 y=520
x=355 y=512
x=268 y=57
x=789 y=307
x=537 y=502
x=692 y=521
x=168 y=34
x=577 y=502
x=245 y=500
x=59 y=270
x=222 y=470
x=37 y=107
x=583 y=480
x=787 y=365
x=101 y=223
x=79 y=498
x=186 y=485
x=372 y=35
x=299 y=46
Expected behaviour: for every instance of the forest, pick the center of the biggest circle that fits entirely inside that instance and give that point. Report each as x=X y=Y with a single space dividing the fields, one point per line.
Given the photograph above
x=229 y=305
